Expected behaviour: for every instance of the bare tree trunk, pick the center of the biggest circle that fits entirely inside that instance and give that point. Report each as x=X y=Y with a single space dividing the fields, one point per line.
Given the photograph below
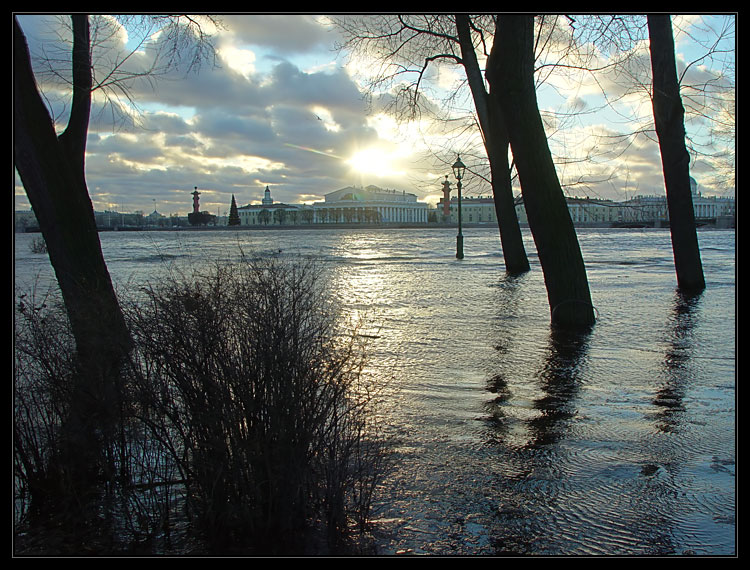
x=496 y=143
x=669 y=117
x=52 y=171
x=510 y=71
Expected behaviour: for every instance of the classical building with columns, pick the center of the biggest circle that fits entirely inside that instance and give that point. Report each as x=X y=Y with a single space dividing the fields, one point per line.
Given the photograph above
x=350 y=205
x=369 y=204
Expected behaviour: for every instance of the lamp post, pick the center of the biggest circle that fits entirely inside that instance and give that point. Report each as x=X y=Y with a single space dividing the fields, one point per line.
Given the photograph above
x=458 y=172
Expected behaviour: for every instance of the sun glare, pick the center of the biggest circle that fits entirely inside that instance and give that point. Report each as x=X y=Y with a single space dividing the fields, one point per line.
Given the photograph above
x=374 y=161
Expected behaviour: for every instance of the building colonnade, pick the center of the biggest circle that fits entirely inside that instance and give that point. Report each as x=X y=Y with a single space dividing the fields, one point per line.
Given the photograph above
x=341 y=214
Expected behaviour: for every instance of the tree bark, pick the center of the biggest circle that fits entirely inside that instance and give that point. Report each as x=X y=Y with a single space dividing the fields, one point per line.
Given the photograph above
x=496 y=143
x=669 y=118
x=51 y=169
x=52 y=172
x=510 y=71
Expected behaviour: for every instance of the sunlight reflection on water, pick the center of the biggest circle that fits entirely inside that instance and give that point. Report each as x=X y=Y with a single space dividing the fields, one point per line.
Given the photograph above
x=510 y=438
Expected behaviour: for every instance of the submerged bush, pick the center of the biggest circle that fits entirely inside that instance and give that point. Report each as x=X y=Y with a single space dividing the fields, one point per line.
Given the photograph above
x=44 y=366
x=245 y=408
x=259 y=393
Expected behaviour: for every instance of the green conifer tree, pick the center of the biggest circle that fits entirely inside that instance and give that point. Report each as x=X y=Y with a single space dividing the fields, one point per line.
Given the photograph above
x=234 y=217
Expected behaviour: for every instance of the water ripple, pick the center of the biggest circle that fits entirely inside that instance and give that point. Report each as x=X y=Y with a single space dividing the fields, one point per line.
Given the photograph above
x=511 y=439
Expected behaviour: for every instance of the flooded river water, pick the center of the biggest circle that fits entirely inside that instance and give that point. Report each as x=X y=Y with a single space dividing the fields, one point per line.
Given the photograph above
x=511 y=439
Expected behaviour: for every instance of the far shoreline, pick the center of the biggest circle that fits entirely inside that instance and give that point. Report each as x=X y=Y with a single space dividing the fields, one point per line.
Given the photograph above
x=381 y=226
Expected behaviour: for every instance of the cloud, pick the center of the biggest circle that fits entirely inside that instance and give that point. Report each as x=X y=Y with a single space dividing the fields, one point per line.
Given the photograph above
x=287 y=34
x=279 y=110
x=229 y=131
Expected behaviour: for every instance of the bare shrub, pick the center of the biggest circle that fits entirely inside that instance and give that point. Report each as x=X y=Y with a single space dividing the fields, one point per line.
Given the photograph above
x=245 y=419
x=53 y=511
x=248 y=379
x=44 y=366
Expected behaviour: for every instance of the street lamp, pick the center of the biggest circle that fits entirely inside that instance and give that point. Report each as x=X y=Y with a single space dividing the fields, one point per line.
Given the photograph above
x=458 y=172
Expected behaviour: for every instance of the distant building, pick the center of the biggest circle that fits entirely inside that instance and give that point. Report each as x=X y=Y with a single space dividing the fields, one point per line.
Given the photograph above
x=374 y=205
x=707 y=209
x=110 y=220
x=710 y=207
x=350 y=205
x=269 y=212
x=155 y=219
x=593 y=211
x=644 y=209
x=474 y=210
x=370 y=204
x=640 y=210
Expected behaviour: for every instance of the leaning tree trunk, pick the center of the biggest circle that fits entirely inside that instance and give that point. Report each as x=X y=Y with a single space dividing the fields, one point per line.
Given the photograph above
x=51 y=169
x=510 y=71
x=496 y=144
x=669 y=117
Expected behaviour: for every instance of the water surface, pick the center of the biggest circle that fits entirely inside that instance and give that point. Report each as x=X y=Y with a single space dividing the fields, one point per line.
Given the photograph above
x=512 y=439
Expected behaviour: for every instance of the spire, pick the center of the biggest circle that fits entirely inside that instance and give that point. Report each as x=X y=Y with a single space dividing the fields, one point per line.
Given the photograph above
x=267 y=200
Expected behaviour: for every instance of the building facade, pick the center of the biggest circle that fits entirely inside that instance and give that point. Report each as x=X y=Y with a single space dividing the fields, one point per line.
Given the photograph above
x=370 y=204
x=474 y=210
x=269 y=212
x=592 y=211
x=350 y=205
x=640 y=210
x=648 y=209
x=374 y=205
x=708 y=207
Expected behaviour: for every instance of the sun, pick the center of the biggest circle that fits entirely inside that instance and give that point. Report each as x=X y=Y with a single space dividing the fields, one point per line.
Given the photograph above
x=375 y=161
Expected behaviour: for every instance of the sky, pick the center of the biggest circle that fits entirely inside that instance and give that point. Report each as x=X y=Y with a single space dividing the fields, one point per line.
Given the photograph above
x=283 y=108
